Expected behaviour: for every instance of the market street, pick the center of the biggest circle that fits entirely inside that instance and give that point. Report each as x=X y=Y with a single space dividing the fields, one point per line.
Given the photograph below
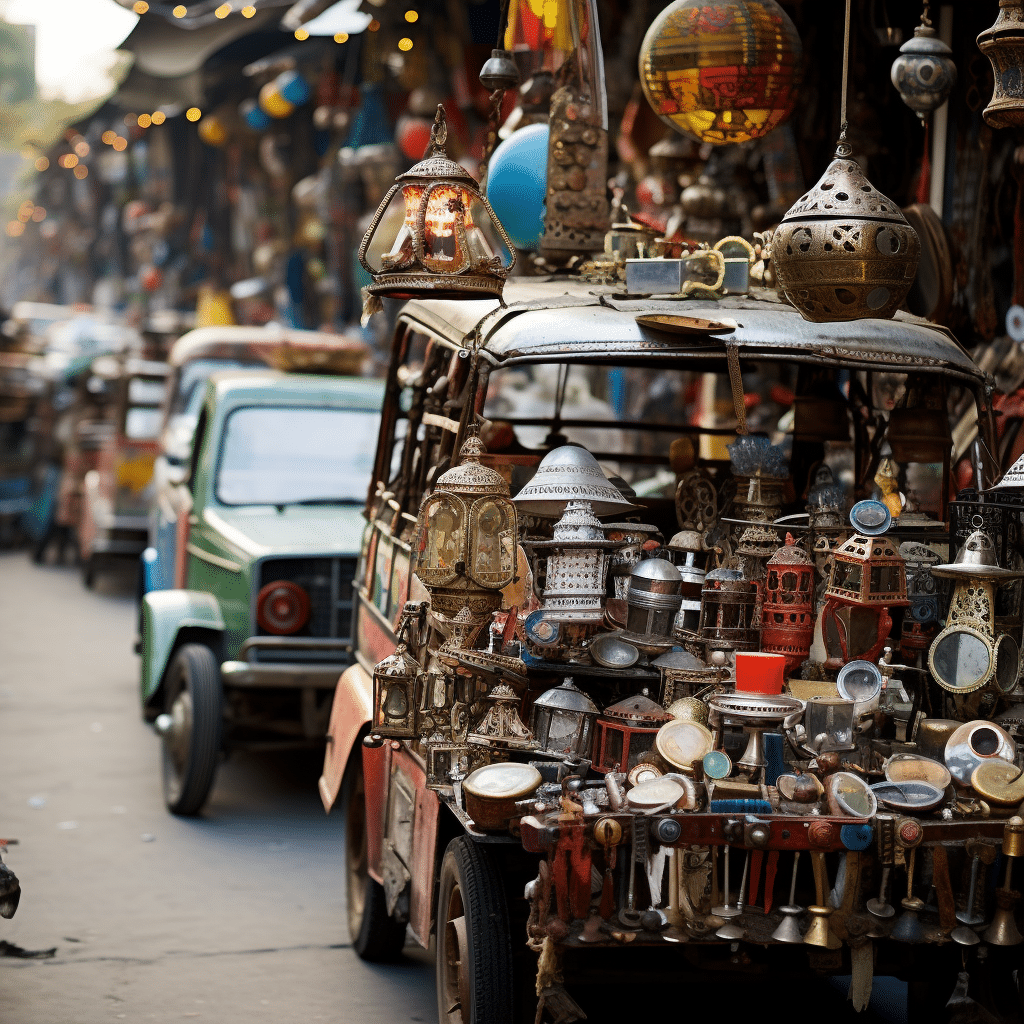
x=237 y=915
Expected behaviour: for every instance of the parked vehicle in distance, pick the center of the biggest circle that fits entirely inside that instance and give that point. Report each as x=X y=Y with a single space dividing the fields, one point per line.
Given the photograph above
x=193 y=358
x=636 y=381
x=117 y=493
x=248 y=649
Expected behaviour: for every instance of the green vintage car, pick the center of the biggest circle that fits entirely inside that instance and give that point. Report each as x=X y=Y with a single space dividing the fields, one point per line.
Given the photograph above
x=246 y=649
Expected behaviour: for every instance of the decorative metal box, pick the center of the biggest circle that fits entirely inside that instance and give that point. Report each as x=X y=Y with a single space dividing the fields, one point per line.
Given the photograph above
x=654 y=598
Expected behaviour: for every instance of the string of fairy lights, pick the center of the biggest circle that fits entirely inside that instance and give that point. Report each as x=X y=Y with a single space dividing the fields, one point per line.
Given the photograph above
x=73 y=160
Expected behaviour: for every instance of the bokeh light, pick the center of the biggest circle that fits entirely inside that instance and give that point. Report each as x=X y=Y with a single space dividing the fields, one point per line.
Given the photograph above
x=412 y=16
x=15 y=228
x=159 y=117
x=301 y=34
x=341 y=37
x=68 y=160
x=248 y=11
x=120 y=144
x=223 y=11
x=42 y=163
x=405 y=44
x=81 y=171
x=374 y=26
x=144 y=120
x=130 y=120
x=108 y=137
x=180 y=11
x=140 y=6
x=193 y=113
x=39 y=214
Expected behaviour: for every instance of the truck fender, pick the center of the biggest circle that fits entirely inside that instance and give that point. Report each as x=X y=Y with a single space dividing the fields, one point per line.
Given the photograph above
x=165 y=613
x=351 y=712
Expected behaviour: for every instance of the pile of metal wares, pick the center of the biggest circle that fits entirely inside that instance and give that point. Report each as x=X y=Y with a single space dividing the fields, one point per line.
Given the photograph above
x=723 y=736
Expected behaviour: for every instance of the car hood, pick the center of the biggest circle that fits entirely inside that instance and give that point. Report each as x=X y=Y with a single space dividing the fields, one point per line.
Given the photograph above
x=258 y=531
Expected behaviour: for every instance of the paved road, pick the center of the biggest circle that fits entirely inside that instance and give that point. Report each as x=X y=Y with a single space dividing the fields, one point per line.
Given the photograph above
x=237 y=916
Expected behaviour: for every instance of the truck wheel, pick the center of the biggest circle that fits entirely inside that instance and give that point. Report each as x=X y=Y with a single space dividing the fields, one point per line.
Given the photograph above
x=191 y=743
x=375 y=935
x=474 y=951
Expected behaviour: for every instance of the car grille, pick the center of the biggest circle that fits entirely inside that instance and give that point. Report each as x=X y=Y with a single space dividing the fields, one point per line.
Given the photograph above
x=328 y=581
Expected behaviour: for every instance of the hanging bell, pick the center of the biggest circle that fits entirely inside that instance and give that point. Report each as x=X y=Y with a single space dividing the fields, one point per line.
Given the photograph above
x=924 y=73
x=1003 y=930
x=819 y=933
x=499 y=72
x=844 y=251
x=1003 y=44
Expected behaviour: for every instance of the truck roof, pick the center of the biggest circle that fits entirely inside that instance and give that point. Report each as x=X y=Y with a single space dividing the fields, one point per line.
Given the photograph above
x=235 y=388
x=546 y=321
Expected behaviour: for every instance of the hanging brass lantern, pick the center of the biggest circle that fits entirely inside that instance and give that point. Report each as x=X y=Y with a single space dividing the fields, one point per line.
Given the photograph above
x=440 y=237
x=1003 y=44
x=844 y=251
x=924 y=73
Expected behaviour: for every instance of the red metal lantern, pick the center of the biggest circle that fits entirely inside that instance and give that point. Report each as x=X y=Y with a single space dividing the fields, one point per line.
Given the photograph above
x=787 y=605
x=626 y=731
x=868 y=577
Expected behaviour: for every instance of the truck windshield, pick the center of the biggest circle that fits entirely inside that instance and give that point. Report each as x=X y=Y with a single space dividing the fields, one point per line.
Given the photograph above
x=286 y=456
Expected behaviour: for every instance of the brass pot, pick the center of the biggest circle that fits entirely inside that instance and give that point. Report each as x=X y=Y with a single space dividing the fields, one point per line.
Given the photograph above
x=492 y=792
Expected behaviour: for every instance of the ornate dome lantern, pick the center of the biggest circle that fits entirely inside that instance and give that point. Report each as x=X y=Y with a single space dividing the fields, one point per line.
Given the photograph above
x=397 y=691
x=466 y=532
x=444 y=240
x=924 y=73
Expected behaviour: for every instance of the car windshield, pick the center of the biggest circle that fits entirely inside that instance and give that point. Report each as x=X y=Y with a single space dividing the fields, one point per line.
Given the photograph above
x=197 y=372
x=285 y=456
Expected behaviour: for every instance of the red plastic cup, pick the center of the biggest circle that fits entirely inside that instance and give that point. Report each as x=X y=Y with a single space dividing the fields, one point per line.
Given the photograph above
x=760 y=673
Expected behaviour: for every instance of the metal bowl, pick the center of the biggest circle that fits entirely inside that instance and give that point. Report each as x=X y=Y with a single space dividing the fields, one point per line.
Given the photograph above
x=910 y=797
x=973 y=743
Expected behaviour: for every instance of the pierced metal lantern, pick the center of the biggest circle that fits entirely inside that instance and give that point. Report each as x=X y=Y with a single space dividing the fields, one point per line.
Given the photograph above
x=787 y=608
x=635 y=540
x=435 y=234
x=1003 y=44
x=687 y=546
x=465 y=539
x=626 y=731
x=501 y=729
x=844 y=251
x=577 y=566
x=868 y=577
x=563 y=721
x=920 y=623
x=397 y=691
x=970 y=658
x=653 y=600
x=683 y=675
x=924 y=73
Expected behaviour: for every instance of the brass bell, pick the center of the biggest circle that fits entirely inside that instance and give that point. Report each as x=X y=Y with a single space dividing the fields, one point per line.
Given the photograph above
x=819 y=933
x=1003 y=930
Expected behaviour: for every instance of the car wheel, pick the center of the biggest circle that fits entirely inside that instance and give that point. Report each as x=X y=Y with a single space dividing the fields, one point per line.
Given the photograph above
x=474 y=953
x=376 y=935
x=191 y=740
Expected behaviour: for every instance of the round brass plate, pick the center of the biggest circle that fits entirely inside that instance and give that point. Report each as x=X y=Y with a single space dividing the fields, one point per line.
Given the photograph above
x=997 y=781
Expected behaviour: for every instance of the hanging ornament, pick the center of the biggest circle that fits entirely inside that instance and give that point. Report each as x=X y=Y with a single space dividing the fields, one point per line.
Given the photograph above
x=1003 y=44
x=924 y=73
x=721 y=72
x=844 y=251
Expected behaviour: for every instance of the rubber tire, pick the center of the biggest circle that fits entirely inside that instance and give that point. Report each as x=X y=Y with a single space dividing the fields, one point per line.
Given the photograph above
x=194 y=670
x=469 y=877
x=376 y=936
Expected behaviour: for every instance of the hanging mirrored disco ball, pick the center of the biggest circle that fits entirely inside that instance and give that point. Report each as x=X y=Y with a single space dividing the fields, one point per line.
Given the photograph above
x=844 y=251
x=721 y=72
